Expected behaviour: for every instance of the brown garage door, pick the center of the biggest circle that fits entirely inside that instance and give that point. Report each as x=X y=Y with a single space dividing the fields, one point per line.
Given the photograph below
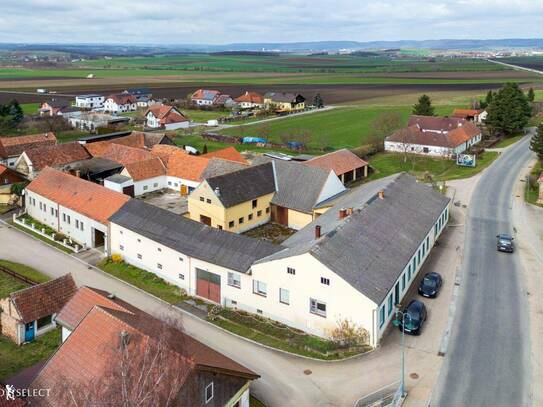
x=208 y=285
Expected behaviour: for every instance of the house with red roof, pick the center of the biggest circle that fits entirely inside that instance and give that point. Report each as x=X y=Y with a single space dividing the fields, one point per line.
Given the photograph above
x=8 y=177
x=165 y=117
x=205 y=97
x=250 y=100
x=72 y=206
x=108 y=348
x=474 y=115
x=120 y=103
x=346 y=165
x=443 y=137
x=11 y=148
x=30 y=312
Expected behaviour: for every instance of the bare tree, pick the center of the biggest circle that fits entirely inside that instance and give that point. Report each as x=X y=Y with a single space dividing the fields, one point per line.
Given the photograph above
x=54 y=124
x=386 y=123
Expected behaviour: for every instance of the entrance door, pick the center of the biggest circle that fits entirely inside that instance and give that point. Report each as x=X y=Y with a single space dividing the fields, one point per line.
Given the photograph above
x=281 y=215
x=397 y=293
x=208 y=285
x=129 y=190
x=184 y=190
x=29 y=332
x=99 y=238
x=206 y=220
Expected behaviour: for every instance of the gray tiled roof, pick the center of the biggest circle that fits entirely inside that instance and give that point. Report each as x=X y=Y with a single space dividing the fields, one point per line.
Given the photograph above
x=118 y=178
x=370 y=248
x=194 y=239
x=244 y=185
x=218 y=166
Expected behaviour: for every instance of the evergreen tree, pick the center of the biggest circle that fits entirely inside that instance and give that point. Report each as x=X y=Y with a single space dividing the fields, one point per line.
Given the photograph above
x=317 y=101
x=204 y=150
x=489 y=97
x=536 y=143
x=509 y=110
x=16 y=112
x=424 y=106
x=531 y=94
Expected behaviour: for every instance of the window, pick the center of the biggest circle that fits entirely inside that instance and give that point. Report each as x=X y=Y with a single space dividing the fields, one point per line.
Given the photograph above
x=155 y=185
x=234 y=280
x=284 y=296
x=390 y=304
x=208 y=200
x=427 y=242
x=418 y=256
x=64 y=217
x=209 y=392
x=259 y=311
x=260 y=288
x=382 y=316
x=41 y=206
x=170 y=183
x=145 y=187
x=81 y=225
x=240 y=220
x=44 y=208
x=250 y=217
x=258 y=213
x=254 y=203
x=121 y=247
x=202 y=199
x=45 y=321
x=77 y=224
x=231 y=224
x=409 y=273
x=290 y=270
x=181 y=276
x=52 y=212
x=139 y=240
x=120 y=232
x=317 y=307
x=69 y=220
x=268 y=209
x=325 y=281
x=159 y=249
x=139 y=256
x=159 y=266
x=403 y=282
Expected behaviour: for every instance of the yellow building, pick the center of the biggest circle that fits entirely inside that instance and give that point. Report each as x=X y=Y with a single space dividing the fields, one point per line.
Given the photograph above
x=285 y=102
x=237 y=201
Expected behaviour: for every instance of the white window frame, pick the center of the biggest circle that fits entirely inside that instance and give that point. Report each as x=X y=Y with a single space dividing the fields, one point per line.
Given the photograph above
x=234 y=280
x=257 y=288
x=210 y=385
x=281 y=300
x=314 y=307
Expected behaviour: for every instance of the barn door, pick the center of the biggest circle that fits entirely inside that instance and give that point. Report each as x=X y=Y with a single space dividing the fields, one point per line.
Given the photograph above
x=208 y=285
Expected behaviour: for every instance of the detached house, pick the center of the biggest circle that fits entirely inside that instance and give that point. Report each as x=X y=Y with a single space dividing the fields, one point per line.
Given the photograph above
x=91 y=365
x=250 y=100
x=473 y=115
x=11 y=148
x=284 y=102
x=30 y=312
x=55 y=107
x=120 y=103
x=166 y=117
x=72 y=206
x=90 y=101
x=205 y=97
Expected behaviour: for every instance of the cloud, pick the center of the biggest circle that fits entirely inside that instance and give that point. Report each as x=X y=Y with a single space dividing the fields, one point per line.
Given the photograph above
x=217 y=22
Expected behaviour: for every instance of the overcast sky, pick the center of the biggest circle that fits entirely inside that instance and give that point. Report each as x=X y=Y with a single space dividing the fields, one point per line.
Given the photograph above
x=219 y=22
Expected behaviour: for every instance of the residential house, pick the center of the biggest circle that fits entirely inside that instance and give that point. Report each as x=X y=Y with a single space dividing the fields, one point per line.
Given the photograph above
x=204 y=261
x=166 y=117
x=147 y=175
x=474 y=115
x=92 y=361
x=11 y=148
x=284 y=102
x=237 y=201
x=8 y=177
x=250 y=100
x=345 y=164
x=225 y=101
x=33 y=160
x=72 y=206
x=125 y=154
x=205 y=97
x=120 y=103
x=434 y=136
x=90 y=101
x=56 y=107
x=91 y=121
x=30 y=312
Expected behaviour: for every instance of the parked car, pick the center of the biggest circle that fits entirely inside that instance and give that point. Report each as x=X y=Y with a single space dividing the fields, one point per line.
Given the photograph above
x=414 y=317
x=505 y=243
x=430 y=285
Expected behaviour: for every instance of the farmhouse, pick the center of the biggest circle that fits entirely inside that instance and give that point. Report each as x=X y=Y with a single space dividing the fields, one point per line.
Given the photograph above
x=284 y=102
x=120 y=103
x=237 y=201
x=30 y=312
x=474 y=115
x=205 y=97
x=346 y=165
x=92 y=359
x=434 y=136
x=167 y=117
x=72 y=206
x=250 y=100
x=32 y=161
x=147 y=175
x=90 y=101
x=8 y=177
x=11 y=148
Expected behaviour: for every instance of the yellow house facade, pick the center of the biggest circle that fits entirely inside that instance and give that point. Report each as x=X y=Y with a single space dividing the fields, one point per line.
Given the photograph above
x=284 y=101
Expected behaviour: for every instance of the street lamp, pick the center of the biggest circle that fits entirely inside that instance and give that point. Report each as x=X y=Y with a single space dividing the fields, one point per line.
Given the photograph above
x=396 y=322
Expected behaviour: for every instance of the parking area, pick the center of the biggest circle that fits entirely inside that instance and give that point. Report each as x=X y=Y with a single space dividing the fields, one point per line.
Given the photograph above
x=167 y=199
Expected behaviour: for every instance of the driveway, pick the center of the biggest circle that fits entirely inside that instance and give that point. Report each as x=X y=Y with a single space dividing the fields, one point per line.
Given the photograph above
x=488 y=363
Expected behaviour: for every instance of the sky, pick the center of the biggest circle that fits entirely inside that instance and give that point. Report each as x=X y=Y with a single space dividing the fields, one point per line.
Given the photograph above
x=222 y=22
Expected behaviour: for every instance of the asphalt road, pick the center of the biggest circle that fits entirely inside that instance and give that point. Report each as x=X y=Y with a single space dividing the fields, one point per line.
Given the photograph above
x=488 y=362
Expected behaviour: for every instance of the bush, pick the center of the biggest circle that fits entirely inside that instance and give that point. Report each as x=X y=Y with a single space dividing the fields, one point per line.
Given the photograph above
x=349 y=334
x=365 y=151
x=116 y=258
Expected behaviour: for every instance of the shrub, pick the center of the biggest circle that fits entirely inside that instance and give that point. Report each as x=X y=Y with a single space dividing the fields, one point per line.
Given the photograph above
x=364 y=151
x=116 y=258
x=349 y=334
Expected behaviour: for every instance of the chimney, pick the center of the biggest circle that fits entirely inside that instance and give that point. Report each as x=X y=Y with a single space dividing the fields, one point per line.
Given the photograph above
x=349 y=211
x=381 y=194
x=342 y=213
x=317 y=232
x=217 y=191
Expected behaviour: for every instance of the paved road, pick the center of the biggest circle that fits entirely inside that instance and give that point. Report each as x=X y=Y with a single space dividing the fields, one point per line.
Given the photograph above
x=488 y=363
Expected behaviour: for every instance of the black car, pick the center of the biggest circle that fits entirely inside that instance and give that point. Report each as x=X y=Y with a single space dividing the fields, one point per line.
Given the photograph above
x=505 y=243
x=414 y=316
x=430 y=285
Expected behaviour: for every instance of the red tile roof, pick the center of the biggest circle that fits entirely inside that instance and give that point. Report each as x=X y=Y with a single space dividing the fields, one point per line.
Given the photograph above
x=166 y=114
x=228 y=153
x=465 y=113
x=123 y=99
x=126 y=155
x=14 y=146
x=56 y=155
x=434 y=122
x=7 y=174
x=250 y=97
x=190 y=167
x=43 y=299
x=136 y=139
x=340 y=161
x=146 y=169
x=449 y=139
x=206 y=94
x=84 y=197
x=164 y=152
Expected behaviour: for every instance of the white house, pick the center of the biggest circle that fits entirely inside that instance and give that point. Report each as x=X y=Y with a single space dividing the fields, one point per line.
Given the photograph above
x=166 y=117
x=205 y=97
x=147 y=176
x=72 y=206
x=120 y=103
x=250 y=100
x=91 y=101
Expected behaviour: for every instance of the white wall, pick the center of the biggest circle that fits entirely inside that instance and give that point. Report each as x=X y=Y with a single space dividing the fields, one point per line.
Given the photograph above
x=398 y=147
x=89 y=102
x=333 y=186
x=117 y=187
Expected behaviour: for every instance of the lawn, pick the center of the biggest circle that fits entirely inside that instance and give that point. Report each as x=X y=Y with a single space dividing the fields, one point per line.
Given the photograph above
x=144 y=280
x=345 y=127
x=15 y=358
x=9 y=285
x=25 y=270
x=531 y=193
x=506 y=142
x=386 y=164
x=202 y=116
x=30 y=109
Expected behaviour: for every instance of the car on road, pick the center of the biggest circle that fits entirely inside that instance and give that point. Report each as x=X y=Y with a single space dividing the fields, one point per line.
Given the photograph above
x=430 y=285
x=505 y=243
x=414 y=316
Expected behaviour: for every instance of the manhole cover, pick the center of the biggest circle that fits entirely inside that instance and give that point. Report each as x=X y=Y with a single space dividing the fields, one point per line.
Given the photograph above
x=307 y=372
x=413 y=375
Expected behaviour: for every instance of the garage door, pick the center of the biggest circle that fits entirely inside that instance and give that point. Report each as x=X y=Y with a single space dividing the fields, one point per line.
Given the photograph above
x=208 y=285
